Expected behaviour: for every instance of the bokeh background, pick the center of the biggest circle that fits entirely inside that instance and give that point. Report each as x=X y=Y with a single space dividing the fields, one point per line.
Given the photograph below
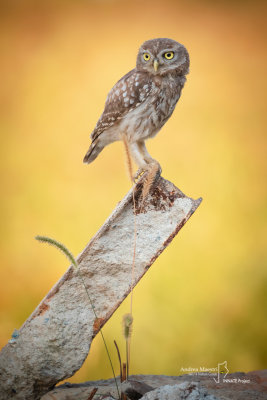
x=205 y=299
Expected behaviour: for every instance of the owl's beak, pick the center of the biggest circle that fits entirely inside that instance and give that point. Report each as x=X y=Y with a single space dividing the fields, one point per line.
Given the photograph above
x=156 y=65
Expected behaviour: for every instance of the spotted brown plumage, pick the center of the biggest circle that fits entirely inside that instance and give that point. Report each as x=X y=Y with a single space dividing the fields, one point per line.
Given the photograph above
x=143 y=100
x=128 y=93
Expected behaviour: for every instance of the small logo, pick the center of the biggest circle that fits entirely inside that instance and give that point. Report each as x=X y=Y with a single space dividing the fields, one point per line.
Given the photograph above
x=222 y=371
x=219 y=373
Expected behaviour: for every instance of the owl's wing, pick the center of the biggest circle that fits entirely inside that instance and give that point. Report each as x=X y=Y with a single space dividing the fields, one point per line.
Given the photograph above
x=127 y=94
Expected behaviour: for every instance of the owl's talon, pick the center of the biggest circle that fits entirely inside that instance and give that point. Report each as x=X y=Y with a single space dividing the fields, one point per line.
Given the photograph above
x=153 y=173
x=159 y=171
x=155 y=166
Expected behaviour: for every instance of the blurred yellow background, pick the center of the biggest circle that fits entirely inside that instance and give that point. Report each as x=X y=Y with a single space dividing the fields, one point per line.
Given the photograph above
x=205 y=299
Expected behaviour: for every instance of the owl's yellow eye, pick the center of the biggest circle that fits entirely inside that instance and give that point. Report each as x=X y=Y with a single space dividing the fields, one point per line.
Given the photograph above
x=146 y=56
x=169 y=55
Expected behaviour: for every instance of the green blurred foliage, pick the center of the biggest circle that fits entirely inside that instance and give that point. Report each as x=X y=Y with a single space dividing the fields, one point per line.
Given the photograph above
x=204 y=300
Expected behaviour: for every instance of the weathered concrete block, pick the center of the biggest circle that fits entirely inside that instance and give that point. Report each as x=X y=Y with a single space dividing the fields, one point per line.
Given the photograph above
x=54 y=342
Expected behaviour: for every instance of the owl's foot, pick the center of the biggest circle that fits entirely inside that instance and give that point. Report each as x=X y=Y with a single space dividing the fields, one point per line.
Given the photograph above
x=155 y=166
x=154 y=169
x=153 y=173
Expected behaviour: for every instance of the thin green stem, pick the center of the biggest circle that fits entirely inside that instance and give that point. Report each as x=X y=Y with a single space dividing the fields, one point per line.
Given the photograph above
x=70 y=256
x=101 y=332
x=60 y=246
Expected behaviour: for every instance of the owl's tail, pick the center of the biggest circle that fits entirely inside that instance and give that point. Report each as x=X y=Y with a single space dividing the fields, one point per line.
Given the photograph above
x=92 y=153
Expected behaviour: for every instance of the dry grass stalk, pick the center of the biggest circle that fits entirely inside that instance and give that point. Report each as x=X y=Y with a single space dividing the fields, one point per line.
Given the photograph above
x=128 y=157
x=127 y=332
x=123 y=372
x=128 y=318
x=119 y=357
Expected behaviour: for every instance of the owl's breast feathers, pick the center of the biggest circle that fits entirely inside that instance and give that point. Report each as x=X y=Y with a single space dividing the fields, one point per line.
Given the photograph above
x=130 y=94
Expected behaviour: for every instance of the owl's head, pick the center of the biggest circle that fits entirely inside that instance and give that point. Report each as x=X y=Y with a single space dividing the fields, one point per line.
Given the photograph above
x=161 y=56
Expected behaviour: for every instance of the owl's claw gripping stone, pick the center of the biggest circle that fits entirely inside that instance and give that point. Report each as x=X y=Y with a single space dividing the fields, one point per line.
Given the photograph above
x=156 y=166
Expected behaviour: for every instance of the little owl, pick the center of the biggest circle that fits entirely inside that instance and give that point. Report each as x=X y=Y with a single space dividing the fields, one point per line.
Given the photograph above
x=143 y=100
